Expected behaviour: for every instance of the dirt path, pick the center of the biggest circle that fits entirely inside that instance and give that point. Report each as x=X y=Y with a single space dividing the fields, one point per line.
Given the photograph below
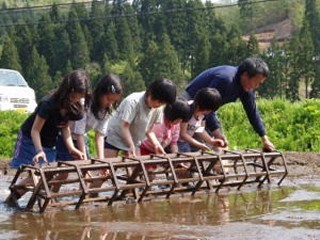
x=303 y=164
x=299 y=164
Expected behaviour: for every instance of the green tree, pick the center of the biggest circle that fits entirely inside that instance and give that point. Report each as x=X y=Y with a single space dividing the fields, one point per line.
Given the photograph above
x=37 y=74
x=148 y=63
x=24 y=42
x=54 y=13
x=253 y=45
x=313 y=19
x=306 y=53
x=46 y=42
x=111 y=44
x=79 y=55
x=246 y=13
x=10 y=57
x=94 y=71
x=246 y=9
x=134 y=27
x=147 y=20
x=217 y=36
x=109 y=37
x=201 y=56
x=96 y=28
x=123 y=32
x=197 y=40
x=5 y=18
x=68 y=67
x=294 y=75
x=277 y=82
x=124 y=39
x=132 y=80
x=161 y=61
x=105 y=69
x=315 y=86
x=62 y=51
x=176 y=25
x=236 y=48
x=88 y=38
x=150 y=17
x=81 y=12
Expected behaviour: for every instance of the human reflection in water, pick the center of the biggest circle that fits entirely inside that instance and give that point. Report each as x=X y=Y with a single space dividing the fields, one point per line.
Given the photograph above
x=223 y=209
x=248 y=204
x=158 y=219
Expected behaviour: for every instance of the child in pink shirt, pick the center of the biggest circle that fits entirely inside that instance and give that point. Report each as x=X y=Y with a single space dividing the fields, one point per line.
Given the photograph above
x=167 y=133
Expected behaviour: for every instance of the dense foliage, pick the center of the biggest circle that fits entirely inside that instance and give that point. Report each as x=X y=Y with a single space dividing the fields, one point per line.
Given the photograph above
x=291 y=126
x=143 y=39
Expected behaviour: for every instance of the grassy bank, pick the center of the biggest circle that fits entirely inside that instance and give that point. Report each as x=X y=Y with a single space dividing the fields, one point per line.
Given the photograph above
x=291 y=126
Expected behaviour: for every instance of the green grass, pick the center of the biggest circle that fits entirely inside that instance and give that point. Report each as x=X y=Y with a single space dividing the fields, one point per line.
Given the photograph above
x=290 y=126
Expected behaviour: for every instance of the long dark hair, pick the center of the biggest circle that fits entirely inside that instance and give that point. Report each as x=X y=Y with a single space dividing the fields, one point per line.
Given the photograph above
x=109 y=84
x=76 y=81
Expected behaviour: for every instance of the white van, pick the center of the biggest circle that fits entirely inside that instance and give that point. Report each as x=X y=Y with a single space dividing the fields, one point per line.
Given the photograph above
x=15 y=94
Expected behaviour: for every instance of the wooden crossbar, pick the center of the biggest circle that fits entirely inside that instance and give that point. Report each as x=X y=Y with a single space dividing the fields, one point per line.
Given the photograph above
x=67 y=183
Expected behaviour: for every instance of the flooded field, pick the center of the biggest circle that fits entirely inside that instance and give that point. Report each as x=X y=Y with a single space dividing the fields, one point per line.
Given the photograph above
x=288 y=212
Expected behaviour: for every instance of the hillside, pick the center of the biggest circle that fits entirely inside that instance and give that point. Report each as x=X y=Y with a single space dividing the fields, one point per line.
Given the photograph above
x=281 y=31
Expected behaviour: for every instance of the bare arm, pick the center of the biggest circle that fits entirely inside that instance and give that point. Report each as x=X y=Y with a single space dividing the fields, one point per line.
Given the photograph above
x=158 y=149
x=36 y=139
x=125 y=132
x=218 y=135
x=81 y=144
x=174 y=148
x=69 y=143
x=99 y=145
x=267 y=144
x=208 y=139
x=186 y=137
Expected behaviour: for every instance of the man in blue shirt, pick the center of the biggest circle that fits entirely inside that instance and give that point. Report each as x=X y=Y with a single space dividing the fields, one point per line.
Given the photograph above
x=233 y=83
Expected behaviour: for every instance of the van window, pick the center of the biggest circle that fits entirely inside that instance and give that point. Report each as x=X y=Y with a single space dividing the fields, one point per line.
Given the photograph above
x=11 y=79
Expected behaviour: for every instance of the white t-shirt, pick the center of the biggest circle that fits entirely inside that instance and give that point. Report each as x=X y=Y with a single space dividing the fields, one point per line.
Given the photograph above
x=133 y=110
x=194 y=124
x=89 y=122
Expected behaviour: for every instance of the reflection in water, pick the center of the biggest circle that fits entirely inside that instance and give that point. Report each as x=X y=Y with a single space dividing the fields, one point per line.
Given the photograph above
x=211 y=216
x=137 y=221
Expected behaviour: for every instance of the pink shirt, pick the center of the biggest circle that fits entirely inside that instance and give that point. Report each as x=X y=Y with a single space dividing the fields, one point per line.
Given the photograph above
x=165 y=135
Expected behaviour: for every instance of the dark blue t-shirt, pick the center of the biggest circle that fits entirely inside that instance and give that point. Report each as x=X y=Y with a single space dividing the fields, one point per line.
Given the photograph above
x=226 y=81
x=48 y=109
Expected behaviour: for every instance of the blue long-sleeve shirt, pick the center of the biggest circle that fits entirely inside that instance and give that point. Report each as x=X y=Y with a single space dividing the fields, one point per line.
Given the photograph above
x=226 y=81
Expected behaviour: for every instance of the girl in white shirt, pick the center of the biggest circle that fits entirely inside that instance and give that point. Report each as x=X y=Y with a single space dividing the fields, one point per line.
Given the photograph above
x=105 y=97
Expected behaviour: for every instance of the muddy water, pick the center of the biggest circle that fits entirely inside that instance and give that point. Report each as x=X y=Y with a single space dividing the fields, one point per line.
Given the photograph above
x=288 y=212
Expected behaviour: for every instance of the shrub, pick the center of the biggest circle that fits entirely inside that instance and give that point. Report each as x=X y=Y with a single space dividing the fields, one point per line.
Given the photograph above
x=290 y=126
x=10 y=122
